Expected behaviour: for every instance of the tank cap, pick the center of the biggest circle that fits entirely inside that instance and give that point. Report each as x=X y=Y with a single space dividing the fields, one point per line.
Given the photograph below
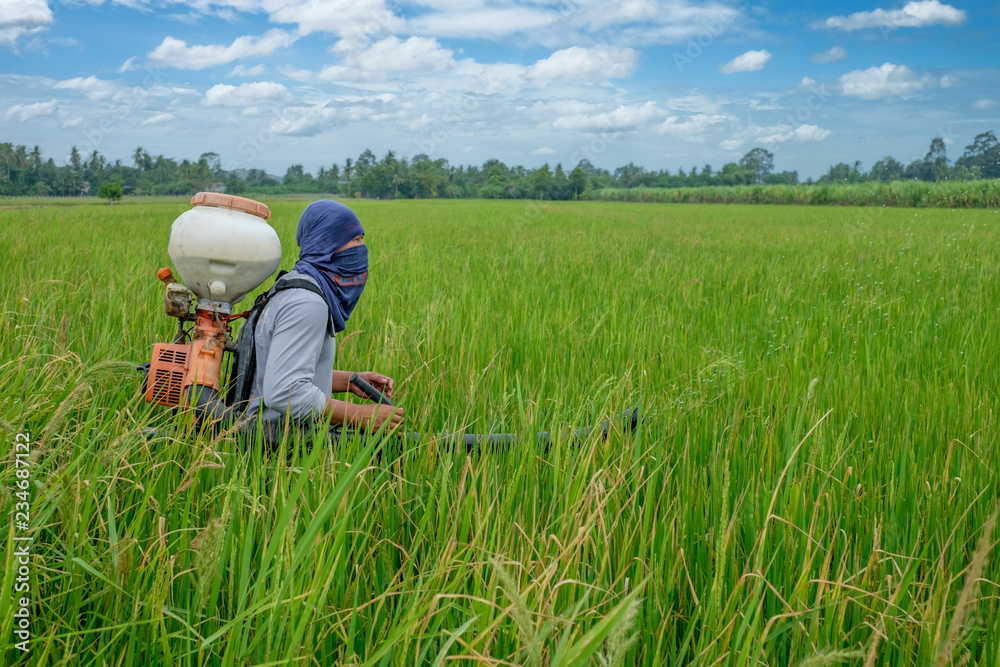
x=231 y=201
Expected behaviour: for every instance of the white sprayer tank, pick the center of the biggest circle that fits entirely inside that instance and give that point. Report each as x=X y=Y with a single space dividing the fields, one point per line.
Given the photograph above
x=223 y=248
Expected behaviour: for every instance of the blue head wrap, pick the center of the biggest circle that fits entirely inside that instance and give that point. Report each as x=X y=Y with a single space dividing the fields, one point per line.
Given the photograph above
x=324 y=227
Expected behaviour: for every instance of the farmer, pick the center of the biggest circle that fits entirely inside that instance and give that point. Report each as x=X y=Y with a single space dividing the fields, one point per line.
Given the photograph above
x=294 y=337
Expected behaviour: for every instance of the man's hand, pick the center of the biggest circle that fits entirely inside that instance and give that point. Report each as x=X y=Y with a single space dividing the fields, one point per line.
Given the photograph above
x=383 y=383
x=371 y=417
x=367 y=417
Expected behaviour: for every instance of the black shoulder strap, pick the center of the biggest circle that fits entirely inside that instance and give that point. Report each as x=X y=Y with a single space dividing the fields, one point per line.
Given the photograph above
x=245 y=366
x=300 y=283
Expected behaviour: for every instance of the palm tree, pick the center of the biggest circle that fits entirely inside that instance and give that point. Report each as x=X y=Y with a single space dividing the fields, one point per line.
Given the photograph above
x=348 y=168
x=21 y=164
x=396 y=181
x=142 y=159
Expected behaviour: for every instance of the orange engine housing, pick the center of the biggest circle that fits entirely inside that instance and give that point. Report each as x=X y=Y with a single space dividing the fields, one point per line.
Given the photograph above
x=167 y=371
x=175 y=367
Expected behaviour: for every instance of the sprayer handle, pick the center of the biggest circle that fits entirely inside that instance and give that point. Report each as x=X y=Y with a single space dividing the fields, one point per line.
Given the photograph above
x=371 y=392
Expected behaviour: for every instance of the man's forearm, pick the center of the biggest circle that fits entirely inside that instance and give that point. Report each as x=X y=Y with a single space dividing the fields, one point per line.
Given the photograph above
x=367 y=417
x=341 y=382
x=342 y=413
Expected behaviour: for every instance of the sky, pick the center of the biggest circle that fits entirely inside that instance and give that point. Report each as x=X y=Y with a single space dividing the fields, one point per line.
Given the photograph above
x=664 y=84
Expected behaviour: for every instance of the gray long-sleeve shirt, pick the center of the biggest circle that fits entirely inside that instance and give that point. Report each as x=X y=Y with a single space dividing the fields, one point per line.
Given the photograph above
x=295 y=355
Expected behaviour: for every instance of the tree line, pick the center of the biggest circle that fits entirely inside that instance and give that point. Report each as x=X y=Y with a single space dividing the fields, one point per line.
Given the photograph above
x=25 y=172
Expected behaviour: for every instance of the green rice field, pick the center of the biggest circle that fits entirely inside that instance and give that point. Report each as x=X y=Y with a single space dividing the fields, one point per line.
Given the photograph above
x=814 y=480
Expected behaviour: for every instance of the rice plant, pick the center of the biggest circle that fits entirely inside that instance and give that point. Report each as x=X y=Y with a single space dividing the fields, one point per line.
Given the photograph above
x=814 y=479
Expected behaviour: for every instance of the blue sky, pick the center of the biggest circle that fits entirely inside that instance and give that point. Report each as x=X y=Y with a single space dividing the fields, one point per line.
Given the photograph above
x=665 y=84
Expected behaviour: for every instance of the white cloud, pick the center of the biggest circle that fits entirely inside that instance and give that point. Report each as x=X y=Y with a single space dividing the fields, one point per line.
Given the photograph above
x=311 y=120
x=420 y=57
x=949 y=80
x=561 y=107
x=176 y=53
x=304 y=121
x=640 y=22
x=731 y=144
x=751 y=61
x=388 y=57
x=544 y=151
x=557 y=23
x=695 y=103
x=886 y=81
x=602 y=15
x=625 y=117
x=576 y=63
x=771 y=105
x=246 y=94
x=242 y=70
x=21 y=113
x=783 y=133
x=493 y=79
x=158 y=118
x=419 y=124
x=982 y=105
x=832 y=55
x=358 y=20
x=22 y=17
x=96 y=89
x=811 y=133
x=416 y=54
x=480 y=22
x=807 y=82
x=693 y=128
x=912 y=15
x=127 y=66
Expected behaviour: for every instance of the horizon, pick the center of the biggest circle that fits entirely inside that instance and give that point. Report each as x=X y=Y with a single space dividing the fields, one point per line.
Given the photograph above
x=663 y=84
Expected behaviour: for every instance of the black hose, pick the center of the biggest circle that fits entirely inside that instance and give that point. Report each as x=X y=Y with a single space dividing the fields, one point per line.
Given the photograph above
x=209 y=407
x=493 y=441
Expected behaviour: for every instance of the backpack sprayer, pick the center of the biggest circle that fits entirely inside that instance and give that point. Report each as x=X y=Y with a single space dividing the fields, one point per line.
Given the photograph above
x=223 y=249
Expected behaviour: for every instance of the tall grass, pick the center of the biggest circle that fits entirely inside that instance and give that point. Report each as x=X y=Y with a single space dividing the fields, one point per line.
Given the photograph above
x=912 y=194
x=814 y=480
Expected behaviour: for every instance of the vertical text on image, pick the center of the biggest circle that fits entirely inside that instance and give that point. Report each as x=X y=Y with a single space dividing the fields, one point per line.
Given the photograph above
x=22 y=541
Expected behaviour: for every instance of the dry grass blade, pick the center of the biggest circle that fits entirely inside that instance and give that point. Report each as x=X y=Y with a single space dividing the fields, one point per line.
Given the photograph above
x=966 y=598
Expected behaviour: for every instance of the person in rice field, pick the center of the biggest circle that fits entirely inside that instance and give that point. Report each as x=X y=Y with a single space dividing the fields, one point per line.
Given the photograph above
x=295 y=333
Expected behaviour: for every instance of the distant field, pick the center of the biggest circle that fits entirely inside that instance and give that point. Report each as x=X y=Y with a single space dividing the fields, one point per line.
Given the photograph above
x=814 y=481
x=909 y=194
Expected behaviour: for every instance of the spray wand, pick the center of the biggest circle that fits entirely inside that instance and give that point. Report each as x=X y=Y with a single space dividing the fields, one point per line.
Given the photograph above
x=472 y=441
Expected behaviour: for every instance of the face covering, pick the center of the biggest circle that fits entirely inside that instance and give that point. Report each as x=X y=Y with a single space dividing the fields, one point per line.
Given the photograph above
x=325 y=226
